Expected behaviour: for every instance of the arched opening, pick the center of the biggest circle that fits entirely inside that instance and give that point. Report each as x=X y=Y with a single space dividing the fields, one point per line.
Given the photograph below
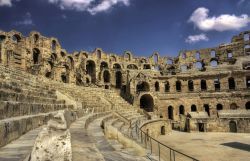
x=91 y=70
x=216 y=84
x=231 y=83
x=248 y=82
x=156 y=57
x=190 y=85
x=247 y=49
x=184 y=55
x=157 y=86
x=181 y=110
x=219 y=107
x=233 y=126
x=198 y=65
x=36 y=38
x=206 y=108
x=197 y=56
x=193 y=108
x=229 y=55
x=118 y=79
x=169 y=62
x=214 y=63
x=167 y=87
x=53 y=57
x=16 y=38
x=132 y=66
x=163 y=132
x=170 y=113
x=106 y=87
x=146 y=66
x=63 y=54
x=87 y=80
x=36 y=55
x=53 y=45
x=246 y=37
x=233 y=106
x=147 y=103
x=203 y=85
x=248 y=105
x=212 y=54
x=103 y=65
x=116 y=66
x=106 y=76
x=99 y=54
x=178 y=86
x=70 y=62
x=142 y=87
x=127 y=56
x=64 y=78
x=2 y=38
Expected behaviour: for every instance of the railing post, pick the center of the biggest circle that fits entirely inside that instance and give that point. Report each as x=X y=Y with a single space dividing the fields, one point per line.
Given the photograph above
x=159 y=151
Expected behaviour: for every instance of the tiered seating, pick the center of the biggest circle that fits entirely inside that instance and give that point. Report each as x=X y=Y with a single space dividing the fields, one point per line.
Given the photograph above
x=25 y=104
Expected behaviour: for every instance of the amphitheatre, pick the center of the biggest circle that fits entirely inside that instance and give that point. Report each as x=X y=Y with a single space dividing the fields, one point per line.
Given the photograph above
x=96 y=106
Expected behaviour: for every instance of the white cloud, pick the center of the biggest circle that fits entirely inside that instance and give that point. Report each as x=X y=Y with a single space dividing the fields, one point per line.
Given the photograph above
x=191 y=39
x=223 y=22
x=5 y=3
x=91 y=6
x=26 y=21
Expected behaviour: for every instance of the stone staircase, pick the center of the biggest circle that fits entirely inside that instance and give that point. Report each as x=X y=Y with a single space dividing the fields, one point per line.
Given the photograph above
x=25 y=104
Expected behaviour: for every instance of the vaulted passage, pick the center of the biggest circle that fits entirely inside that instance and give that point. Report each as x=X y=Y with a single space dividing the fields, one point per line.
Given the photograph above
x=118 y=79
x=147 y=103
x=106 y=76
x=90 y=67
x=232 y=126
x=142 y=87
x=170 y=113
x=36 y=54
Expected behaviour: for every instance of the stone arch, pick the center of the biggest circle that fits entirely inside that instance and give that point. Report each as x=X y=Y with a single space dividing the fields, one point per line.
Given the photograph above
x=163 y=131
x=117 y=66
x=147 y=102
x=181 y=110
x=217 y=84
x=203 y=85
x=197 y=55
x=142 y=87
x=104 y=65
x=36 y=56
x=198 y=65
x=167 y=87
x=178 y=85
x=231 y=83
x=146 y=66
x=156 y=58
x=128 y=56
x=232 y=126
x=91 y=70
x=190 y=85
x=36 y=38
x=118 y=79
x=219 y=107
x=106 y=76
x=212 y=54
x=16 y=38
x=53 y=45
x=98 y=54
x=193 y=108
x=70 y=61
x=157 y=86
x=2 y=38
x=170 y=112
x=214 y=63
x=233 y=106
x=132 y=66
x=247 y=105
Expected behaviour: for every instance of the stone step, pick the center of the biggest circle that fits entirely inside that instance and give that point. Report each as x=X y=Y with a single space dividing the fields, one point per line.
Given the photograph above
x=14 y=109
x=14 y=127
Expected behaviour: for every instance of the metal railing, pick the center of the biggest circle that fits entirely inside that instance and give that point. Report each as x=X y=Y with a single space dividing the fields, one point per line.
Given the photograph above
x=158 y=150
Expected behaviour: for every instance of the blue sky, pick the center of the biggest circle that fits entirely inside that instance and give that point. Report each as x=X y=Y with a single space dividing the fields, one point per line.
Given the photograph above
x=140 y=26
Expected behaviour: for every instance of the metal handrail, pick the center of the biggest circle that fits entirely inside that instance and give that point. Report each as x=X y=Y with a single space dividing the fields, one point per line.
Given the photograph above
x=149 y=138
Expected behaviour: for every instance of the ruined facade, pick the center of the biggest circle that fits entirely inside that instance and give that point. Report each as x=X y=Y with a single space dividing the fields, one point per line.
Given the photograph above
x=199 y=90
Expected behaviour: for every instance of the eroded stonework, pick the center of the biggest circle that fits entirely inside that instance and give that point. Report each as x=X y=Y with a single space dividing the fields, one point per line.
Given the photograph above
x=199 y=90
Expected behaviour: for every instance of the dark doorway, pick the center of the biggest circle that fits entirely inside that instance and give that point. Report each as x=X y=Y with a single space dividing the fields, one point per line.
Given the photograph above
x=248 y=105
x=36 y=54
x=178 y=86
x=231 y=83
x=248 y=82
x=142 y=87
x=157 y=86
x=64 y=78
x=217 y=84
x=190 y=85
x=147 y=103
x=118 y=79
x=181 y=110
x=219 y=107
x=106 y=76
x=193 y=108
x=206 y=107
x=163 y=132
x=201 y=127
x=103 y=65
x=91 y=70
x=170 y=113
x=167 y=87
x=232 y=126
x=203 y=85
